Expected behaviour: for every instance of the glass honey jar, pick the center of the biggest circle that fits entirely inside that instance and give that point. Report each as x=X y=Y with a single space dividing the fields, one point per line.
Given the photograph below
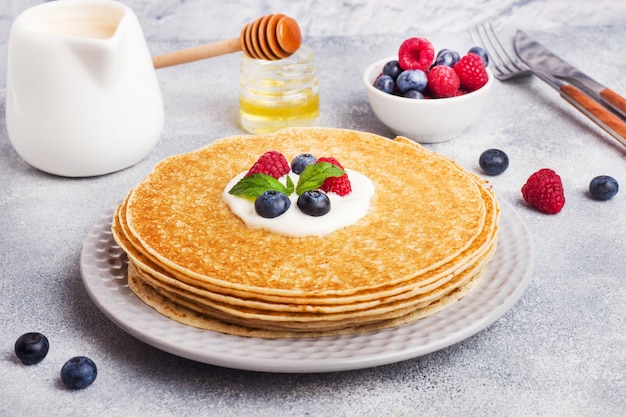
x=278 y=94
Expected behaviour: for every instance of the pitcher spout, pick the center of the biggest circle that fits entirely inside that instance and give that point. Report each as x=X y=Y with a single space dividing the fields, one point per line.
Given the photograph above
x=95 y=36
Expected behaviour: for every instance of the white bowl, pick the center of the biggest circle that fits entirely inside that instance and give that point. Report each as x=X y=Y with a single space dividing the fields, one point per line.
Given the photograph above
x=425 y=121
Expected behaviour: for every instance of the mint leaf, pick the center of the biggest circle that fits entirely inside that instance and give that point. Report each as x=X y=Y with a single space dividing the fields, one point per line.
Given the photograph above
x=290 y=186
x=311 y=178
x=315 y=174
x=256 y=184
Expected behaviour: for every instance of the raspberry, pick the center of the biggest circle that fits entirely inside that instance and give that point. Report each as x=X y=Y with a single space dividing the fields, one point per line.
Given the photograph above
x=544 y=190
x=330 y=160
x=271 y=163
x=338 y=185
x=471 y=71
x=416 y=53
x=442 y=82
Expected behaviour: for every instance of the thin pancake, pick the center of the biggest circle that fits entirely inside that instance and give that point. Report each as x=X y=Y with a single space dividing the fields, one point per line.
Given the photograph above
x=413 y=285
x=187 y=316
x=177 y=215
x=426 y=241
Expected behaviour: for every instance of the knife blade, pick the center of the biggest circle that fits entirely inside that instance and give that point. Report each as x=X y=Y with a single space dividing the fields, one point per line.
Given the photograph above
x=538 y=56
x=605 y=119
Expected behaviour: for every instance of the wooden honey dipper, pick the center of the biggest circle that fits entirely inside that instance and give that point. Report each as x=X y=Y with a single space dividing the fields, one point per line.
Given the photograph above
x=270 y=37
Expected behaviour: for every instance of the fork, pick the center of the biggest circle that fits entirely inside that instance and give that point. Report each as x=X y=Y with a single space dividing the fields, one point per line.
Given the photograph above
x=504 y=66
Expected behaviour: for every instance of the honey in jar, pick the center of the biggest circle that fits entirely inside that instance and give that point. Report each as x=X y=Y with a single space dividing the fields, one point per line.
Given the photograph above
x=278 y=94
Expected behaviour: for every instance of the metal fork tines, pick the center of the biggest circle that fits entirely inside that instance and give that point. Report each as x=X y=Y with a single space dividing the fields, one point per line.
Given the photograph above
x=503 y=65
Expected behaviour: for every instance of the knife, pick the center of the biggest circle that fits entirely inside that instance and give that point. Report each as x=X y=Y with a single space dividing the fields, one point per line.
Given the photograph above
x=612 y=124
x=537 y=56
x=604 y=118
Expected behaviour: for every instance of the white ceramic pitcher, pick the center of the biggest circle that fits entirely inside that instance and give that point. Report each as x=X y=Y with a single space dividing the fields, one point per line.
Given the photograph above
x=82 y=94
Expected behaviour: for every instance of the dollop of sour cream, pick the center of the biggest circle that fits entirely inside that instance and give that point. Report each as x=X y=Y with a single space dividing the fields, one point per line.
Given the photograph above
x=344 y=211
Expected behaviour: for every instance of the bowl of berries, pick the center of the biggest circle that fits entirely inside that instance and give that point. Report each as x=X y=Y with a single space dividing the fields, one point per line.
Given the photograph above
x=426 y=96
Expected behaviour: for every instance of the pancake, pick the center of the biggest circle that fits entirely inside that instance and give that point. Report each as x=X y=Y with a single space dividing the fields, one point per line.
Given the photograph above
x=184 y=315
x=216 y=300
x=252 y=310
x=178 y=216
x=439 y=274
x=425 y=242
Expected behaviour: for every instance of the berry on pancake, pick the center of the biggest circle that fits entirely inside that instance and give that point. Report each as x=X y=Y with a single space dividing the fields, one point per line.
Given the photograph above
x=338 y=185
x=271 y=163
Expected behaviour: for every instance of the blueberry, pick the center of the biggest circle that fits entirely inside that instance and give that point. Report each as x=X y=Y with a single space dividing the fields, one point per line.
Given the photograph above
x=384 y=83
x=411 y=80
x=302 y=161
x=603 y=187
x=392 y=69
x=446 y=50
x=414 y=94
x=314 y=203
x=493 y=162
x=31 y=348
x=481 y=52
x=271 y=204
x=447 y=57
x=79 y=372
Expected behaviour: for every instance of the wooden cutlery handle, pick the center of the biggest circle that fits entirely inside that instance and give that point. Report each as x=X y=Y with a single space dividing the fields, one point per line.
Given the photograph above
x=614 y=100
x=612 y=124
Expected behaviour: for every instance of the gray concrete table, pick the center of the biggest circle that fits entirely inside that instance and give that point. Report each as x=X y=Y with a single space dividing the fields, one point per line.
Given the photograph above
x=560 y=351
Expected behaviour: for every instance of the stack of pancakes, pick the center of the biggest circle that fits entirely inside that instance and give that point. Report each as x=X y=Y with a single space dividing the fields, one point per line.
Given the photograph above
x=426 y=241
